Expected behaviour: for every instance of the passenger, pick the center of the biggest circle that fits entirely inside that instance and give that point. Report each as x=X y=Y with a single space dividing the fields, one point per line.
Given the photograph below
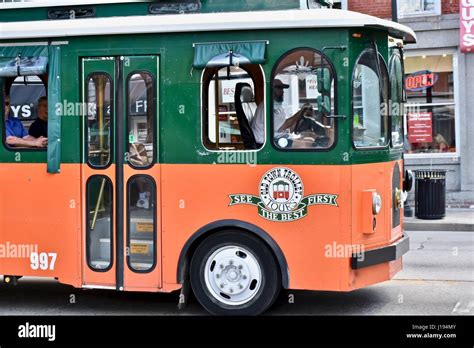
x=39 y=128
x=16 y=134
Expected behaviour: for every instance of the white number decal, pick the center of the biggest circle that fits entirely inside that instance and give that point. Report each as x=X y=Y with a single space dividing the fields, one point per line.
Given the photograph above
x=42 y=261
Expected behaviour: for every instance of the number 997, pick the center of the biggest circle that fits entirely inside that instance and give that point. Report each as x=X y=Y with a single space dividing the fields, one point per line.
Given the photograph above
x=43 y=261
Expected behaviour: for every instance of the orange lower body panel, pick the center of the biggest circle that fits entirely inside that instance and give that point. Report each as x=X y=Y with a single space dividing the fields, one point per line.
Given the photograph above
x=47 y=211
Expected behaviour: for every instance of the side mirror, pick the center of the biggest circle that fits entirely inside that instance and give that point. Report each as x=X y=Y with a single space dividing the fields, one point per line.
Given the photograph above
x=408 y=181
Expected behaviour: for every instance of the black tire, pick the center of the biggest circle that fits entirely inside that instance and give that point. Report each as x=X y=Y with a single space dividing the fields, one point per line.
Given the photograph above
x=271 y=277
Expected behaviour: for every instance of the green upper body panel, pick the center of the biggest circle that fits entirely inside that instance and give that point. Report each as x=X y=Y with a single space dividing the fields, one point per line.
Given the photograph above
x=179 y=133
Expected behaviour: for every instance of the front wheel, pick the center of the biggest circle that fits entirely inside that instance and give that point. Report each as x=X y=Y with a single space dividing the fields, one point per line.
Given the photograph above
x=233 y=273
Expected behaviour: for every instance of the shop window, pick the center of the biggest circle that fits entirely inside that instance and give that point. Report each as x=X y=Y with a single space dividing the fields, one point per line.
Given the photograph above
x=25 y=112
x=335 y=4
x=370 y=101
x=141 y=119
x=234 y=111
x=430 y=110
x=412 y=8
x=303 y=90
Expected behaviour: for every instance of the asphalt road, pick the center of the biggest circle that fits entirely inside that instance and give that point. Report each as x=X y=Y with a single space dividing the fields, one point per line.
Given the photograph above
x=438 y=279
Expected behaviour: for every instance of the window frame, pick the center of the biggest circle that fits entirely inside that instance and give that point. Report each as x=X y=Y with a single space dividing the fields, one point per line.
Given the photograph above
x=453 y=156
x=424 y=13
x=155 y=225
x=88 y=230
x=112 y=122
x=4 y=129
x=336 y=104
x=387 y=143
x=205 y=113
x=155 y=116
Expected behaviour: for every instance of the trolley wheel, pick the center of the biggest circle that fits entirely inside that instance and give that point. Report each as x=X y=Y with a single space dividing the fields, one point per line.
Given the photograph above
x=234 y=273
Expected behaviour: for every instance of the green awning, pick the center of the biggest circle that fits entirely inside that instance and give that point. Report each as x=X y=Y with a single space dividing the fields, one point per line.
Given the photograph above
x=23 y=60
x=54 y=114
x=229 y=53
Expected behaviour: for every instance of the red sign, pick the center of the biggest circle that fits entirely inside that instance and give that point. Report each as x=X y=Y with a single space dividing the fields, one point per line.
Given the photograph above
x=420 y=127
x=467 y=25
x=421 y=80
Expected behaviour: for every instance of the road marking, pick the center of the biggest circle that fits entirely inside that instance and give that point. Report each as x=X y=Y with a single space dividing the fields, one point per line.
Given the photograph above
x=463 y=310
x=456 y=307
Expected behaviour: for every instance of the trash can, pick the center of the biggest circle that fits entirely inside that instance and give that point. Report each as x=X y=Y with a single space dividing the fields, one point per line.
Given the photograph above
x=430 y=194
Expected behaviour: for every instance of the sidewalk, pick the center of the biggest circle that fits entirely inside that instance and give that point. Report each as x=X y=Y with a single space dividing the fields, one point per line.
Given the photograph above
x=455 y=220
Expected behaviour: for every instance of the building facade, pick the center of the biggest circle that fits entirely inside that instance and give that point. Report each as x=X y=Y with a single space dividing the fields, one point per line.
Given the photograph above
x=440 y=107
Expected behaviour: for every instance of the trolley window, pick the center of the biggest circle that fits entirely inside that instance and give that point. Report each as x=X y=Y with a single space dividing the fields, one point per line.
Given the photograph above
x=370 y=101
x=141 y=119
x=141 y=241
x=99 y=223
x=303 y=90
x=233 y=108
x=396 y=98
x=99 y=98
x=25 y=112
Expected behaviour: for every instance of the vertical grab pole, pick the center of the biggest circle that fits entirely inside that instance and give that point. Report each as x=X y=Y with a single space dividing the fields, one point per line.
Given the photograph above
x=99 y=199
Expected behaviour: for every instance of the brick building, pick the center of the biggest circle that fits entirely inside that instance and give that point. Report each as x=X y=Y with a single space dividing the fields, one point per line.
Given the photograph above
x=383 y=8
x=449 y=102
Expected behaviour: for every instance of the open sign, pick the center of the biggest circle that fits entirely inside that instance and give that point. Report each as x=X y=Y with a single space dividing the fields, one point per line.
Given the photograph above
x=421 y=80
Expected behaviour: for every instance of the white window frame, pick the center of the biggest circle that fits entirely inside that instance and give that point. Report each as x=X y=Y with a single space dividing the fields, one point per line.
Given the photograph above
x=424 y=13
x=454 y=156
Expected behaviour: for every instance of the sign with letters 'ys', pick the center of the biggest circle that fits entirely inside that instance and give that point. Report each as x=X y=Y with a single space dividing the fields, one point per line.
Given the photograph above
x=467 y=25
x=282 y=197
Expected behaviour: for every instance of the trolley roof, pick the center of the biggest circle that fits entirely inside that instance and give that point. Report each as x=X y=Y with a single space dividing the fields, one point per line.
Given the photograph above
x=229 y=21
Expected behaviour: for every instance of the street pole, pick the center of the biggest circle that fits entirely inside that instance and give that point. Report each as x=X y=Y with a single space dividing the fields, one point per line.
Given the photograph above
x=394 y=11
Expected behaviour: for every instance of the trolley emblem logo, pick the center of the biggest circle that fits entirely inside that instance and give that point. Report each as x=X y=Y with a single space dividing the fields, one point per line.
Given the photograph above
x=282 y=197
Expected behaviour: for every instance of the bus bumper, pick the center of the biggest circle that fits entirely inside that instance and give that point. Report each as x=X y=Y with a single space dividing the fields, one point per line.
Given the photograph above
x=381 y=255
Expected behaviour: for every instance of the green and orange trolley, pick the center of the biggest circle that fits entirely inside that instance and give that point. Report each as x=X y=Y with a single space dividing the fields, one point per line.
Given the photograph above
x=235 y=151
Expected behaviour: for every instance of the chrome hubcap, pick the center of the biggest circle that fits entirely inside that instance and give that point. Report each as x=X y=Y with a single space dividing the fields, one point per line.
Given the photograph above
x=233 y=275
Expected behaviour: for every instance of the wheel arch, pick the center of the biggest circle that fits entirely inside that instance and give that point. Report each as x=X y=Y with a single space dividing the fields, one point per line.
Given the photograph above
x=222 y=225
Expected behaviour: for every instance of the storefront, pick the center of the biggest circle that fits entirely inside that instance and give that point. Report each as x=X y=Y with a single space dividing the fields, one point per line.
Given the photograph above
x=440 y=108
x=430 y=122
